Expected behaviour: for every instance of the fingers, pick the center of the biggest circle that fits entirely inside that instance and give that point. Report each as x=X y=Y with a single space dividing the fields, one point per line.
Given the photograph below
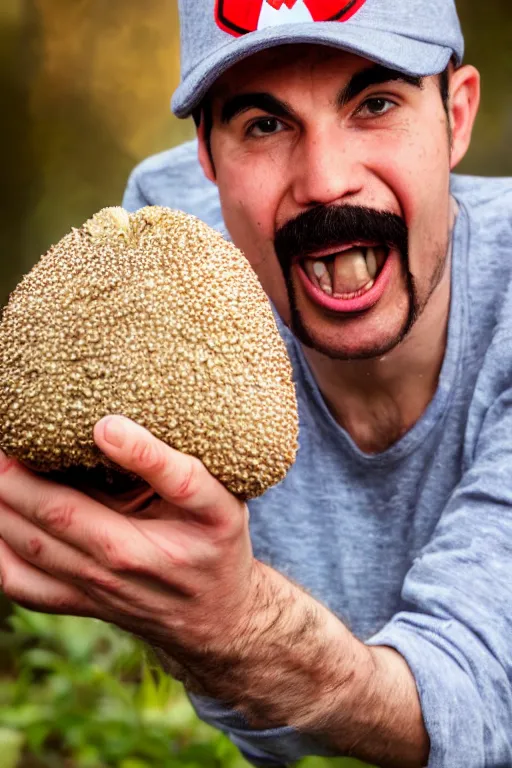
x=54 y=557
x=73 y=518
x=178 y=478
x=24 y=584
x=27 y=493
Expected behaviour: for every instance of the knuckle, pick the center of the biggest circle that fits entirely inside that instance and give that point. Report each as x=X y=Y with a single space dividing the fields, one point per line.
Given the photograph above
x=148 y=456
x=34 y=546
x=232 y=527
x=113 y=557
x=119 y=562
x=182 y=558
x=119 y=559
x=106 y=582
x=205 y=559
x=58 y=515
x=187 y=485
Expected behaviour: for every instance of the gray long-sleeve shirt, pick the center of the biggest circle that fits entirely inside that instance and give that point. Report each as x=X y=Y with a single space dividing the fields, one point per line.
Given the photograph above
x=412 y=547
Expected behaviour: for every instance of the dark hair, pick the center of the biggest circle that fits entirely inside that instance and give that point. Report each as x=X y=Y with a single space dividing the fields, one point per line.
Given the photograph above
x=444 y=86
x=204 y=111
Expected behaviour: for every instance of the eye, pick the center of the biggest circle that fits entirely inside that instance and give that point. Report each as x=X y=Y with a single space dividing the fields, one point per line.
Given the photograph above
x=265 y=126
x=375 y=107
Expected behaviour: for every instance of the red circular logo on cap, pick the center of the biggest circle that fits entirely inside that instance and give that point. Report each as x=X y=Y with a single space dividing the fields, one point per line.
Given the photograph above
x=239 y=17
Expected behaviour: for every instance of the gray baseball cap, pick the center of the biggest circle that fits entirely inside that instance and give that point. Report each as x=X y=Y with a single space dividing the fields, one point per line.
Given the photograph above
x=416 y=37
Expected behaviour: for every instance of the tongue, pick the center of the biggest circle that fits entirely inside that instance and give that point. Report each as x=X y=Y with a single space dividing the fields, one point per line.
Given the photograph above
x=349 y=272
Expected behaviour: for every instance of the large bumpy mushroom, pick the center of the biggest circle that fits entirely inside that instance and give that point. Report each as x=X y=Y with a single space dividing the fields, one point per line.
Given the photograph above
x=155 y=316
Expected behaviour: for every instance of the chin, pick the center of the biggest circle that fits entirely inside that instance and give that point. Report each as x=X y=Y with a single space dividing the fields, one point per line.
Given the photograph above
x=359 y=338
x=357 y=334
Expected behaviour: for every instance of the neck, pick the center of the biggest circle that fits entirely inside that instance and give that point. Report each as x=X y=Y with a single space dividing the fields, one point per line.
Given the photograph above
x=377 y=401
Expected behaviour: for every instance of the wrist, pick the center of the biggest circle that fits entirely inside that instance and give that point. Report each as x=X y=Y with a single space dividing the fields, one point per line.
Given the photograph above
x=345 y=684
x=282 y=657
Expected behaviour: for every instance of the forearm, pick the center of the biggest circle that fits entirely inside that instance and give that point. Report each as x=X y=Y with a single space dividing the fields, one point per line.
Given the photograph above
x=294 y=663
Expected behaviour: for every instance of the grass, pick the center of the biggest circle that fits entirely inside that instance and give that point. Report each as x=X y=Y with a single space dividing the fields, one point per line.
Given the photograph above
x=78 y=693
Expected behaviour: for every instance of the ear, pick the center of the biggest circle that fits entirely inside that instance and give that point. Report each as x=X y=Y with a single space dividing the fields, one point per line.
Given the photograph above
x=464 y=103
x=204 y=154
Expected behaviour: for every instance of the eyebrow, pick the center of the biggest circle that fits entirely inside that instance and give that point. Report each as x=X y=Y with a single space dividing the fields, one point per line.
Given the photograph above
x=376 y=75
x=264 y=101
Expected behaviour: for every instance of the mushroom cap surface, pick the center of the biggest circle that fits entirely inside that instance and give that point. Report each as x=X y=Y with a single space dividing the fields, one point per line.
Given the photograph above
x=153 y=315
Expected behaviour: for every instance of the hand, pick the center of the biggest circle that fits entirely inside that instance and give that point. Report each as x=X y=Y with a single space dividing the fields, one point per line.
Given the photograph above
x=181 y=575
x=184 y=578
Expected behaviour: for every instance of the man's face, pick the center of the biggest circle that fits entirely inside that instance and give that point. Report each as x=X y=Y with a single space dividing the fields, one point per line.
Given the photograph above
x=334 y=182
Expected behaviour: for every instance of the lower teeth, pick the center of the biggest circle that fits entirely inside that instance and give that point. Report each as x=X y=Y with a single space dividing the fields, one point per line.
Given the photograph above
x=356 y=294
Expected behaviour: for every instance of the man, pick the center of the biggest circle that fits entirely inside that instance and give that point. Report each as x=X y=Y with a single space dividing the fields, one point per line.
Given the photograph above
x=370 y=611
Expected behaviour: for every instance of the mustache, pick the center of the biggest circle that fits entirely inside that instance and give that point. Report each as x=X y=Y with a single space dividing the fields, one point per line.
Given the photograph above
x=326 y=226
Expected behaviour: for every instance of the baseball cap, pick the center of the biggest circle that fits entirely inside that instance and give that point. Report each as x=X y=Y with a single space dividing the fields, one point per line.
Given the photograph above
x=416 y=37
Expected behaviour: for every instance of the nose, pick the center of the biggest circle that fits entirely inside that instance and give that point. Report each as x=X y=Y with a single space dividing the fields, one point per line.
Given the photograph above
x=326 y=170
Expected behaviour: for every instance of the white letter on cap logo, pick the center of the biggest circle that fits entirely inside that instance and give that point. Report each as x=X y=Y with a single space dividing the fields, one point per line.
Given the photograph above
x=274 y=12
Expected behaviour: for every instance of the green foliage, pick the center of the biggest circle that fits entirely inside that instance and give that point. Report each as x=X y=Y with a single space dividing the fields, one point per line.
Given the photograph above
x=78 y=693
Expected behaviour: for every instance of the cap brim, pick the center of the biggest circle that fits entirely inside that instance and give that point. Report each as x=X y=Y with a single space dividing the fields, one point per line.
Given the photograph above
x=412 y=57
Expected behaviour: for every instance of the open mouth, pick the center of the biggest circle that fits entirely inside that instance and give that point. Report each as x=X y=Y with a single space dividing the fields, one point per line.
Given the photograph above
x=348 y=278
x=346 y=273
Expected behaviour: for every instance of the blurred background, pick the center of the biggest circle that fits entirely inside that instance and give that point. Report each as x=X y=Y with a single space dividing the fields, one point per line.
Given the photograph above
x=85 y=89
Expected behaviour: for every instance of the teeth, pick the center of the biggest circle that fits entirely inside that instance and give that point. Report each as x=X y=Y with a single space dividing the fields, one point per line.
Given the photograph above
x=371 y=262
x=347 y=274
x=319 y=275
x=350 y=272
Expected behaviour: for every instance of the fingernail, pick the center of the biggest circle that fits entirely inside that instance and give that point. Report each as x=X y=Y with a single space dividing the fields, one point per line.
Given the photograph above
x=114 y=432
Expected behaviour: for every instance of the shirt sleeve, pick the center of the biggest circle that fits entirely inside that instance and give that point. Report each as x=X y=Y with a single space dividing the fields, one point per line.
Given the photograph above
x=456 y=635
x=273 y=747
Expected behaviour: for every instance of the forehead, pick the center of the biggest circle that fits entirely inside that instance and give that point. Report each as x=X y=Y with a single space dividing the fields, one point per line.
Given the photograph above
x=286 y=65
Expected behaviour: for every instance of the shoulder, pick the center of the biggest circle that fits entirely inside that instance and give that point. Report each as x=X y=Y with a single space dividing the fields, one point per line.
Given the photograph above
x=488 y=202
x=487 y=205
x=175 y=179
x=479 y=190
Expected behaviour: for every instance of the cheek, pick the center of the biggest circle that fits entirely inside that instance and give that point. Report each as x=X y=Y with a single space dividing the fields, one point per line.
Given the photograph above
x=417 y=171
x=416 y=168
x=429 y=209
x=247 y=217
x=250 y=203
x=249 y=200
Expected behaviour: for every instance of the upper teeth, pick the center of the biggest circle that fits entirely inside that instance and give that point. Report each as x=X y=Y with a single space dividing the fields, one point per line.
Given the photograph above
x=371 y=262
x=346 y=272
x=350 y=272
x=324 y=278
